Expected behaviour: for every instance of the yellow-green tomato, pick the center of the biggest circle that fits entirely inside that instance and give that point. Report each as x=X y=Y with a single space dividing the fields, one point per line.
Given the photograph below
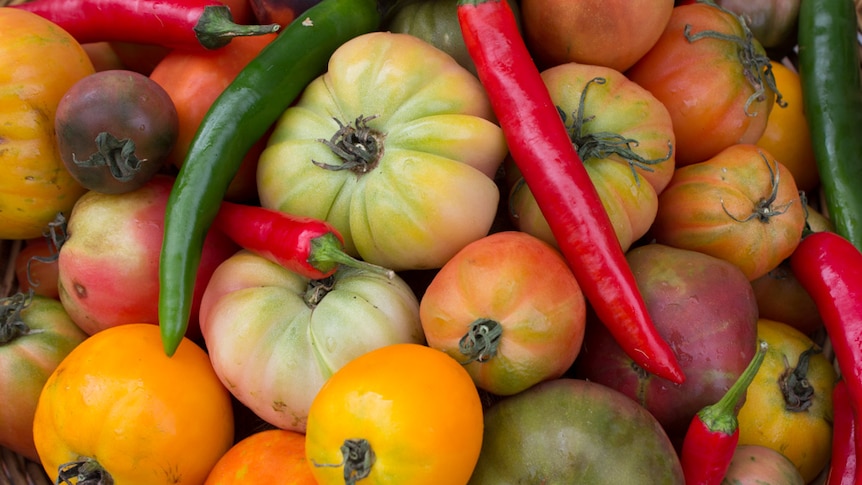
x=395 y=146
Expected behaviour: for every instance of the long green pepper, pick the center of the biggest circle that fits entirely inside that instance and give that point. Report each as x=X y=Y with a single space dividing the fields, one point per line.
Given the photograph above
x=239 y=117
x=832 y=99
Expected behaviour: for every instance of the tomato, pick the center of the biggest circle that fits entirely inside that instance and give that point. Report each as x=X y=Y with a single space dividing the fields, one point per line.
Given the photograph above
x=417 y=183
x=508 y=308
x=108 y=267
x=36 y=266
x=403 y=413
x=612 y=33
x=193 y=80
x=38 y=63
x=296 y=332
x=115 y=129
x=269 y=456
x=787 y=136
x=780 y=296
x=625 y=138
x=788 y=406
x=35 y=335
x=718 y=91
x=760 y=465
x=741 y=205
x=119 y=402
x=436 y=22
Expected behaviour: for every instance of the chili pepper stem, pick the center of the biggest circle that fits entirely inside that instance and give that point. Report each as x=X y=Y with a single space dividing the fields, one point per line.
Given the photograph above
x=216 y=27
x=326 y=253
x=721 y=415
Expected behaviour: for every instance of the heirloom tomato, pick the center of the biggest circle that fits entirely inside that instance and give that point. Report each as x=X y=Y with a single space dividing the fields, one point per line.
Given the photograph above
x=274 y=337
x=404 y=413
x=713 y=77
x=395 y=147
x=788 y=406
x=117 y=405
x=269 y=456
x=35 y=335
x=508 y=308
x=625 y=138
x=741 y=205
x=39 y=61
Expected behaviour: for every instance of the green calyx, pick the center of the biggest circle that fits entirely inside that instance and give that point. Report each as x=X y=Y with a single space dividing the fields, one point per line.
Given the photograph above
x=216 y=27
x=327 y=253
x=721 y=416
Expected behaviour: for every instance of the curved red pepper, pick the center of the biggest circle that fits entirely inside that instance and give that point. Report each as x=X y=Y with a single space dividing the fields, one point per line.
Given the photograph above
x=182 y=24
x=842 y=466
x=542 y=150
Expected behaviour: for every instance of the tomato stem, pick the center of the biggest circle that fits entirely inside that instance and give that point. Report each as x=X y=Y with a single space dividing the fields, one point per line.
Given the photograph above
x=357 y=460
x=85 y=471
x=358 y=146
x=797 y=391
x=481 y=340
x=763 y=210
x=12 y=325
x=118 y=155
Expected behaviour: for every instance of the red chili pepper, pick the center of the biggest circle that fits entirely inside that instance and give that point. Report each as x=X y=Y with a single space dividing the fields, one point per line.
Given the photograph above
x=713 y=433
x=182 y=24
x=542 y=150
x=842 y=466
x=304 y=245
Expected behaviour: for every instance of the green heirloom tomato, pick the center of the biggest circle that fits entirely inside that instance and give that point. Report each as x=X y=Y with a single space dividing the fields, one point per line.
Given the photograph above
x=395 y=146
x=274 y=337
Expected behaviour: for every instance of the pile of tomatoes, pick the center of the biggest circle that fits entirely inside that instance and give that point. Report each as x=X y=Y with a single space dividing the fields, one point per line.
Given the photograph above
x=457 y=362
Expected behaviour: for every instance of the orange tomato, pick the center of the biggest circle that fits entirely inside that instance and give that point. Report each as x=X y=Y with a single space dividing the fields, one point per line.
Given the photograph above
x=405 y=413
x=39 y=62
x=787 y=136
x=118 y=402
x=788 y=406
x=270 y=456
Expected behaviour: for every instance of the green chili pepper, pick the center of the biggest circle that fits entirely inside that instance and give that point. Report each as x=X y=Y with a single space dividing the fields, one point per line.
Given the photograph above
x=237 y=119
x=832 y=99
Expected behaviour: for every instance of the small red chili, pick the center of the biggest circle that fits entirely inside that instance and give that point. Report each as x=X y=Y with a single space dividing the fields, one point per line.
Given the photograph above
x=713 y=433
x=183 y=24
x=541 y=148
x=304 y=245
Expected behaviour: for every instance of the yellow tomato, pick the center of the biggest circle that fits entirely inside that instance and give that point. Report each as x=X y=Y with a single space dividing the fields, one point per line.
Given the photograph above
x=405 y=413
x=144 y=418
x=39 y=62
x=786 y=136
x=791 y=417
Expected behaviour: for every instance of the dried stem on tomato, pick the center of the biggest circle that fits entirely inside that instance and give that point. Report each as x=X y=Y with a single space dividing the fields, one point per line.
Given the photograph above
x=356 y=144
x=763 y=210
x=481 y=340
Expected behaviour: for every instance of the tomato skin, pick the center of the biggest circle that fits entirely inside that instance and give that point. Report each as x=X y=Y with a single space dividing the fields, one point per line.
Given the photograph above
x=416 y=407
x=804 y=437
x=715 y=206
x=428 y=187
x=703 y=83
x=39 y=258
x=145 y=417
x=525 y=287
x=26 y=361
x=269 y=456
x=38 y=63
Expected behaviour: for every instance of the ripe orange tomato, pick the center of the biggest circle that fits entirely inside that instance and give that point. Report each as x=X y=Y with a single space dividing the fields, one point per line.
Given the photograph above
x=787 y=136
x=119 y=402
x=269 y=456
x=508 y=308
x=405 y=413
x=788 y=406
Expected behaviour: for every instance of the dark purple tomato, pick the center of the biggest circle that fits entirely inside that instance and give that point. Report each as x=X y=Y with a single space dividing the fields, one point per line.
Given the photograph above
x=115 y=129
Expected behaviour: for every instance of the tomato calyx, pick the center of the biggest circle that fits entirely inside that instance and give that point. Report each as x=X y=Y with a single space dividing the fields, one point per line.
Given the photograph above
x=757 y=66
x=118 y=155
x=603 y=144
x=357 y=459
x=317 y=289
x=56 y=236
x=359 y=146
x=763 y=210
x=86 y=471
x=481 y=341
x=12 y=325
x=797 y=390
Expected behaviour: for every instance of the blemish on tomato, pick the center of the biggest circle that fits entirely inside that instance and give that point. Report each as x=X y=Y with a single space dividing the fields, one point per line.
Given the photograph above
x=80 y=290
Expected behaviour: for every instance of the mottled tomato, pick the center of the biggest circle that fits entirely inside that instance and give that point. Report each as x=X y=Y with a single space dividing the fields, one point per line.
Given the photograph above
x=741 y=205
x=761 y=465
x=35 y=335
x=713 y=78
x=118 y=405
x=508 y=308
x=403 y=413
x=788 y=406
x=395 y=147
x=38 y=63
x=625 y=138
x=115 y=129
x=297 y=332
x=269 y=456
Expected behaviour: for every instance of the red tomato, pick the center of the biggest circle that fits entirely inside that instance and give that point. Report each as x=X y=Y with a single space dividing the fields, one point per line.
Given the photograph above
x=712 y=80
x=270 y=456
x=36 y=266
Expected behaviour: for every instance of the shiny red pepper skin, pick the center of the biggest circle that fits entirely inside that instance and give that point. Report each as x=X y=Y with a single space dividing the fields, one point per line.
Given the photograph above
x=542 y=150
x=181 y=24
x=842 y=467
